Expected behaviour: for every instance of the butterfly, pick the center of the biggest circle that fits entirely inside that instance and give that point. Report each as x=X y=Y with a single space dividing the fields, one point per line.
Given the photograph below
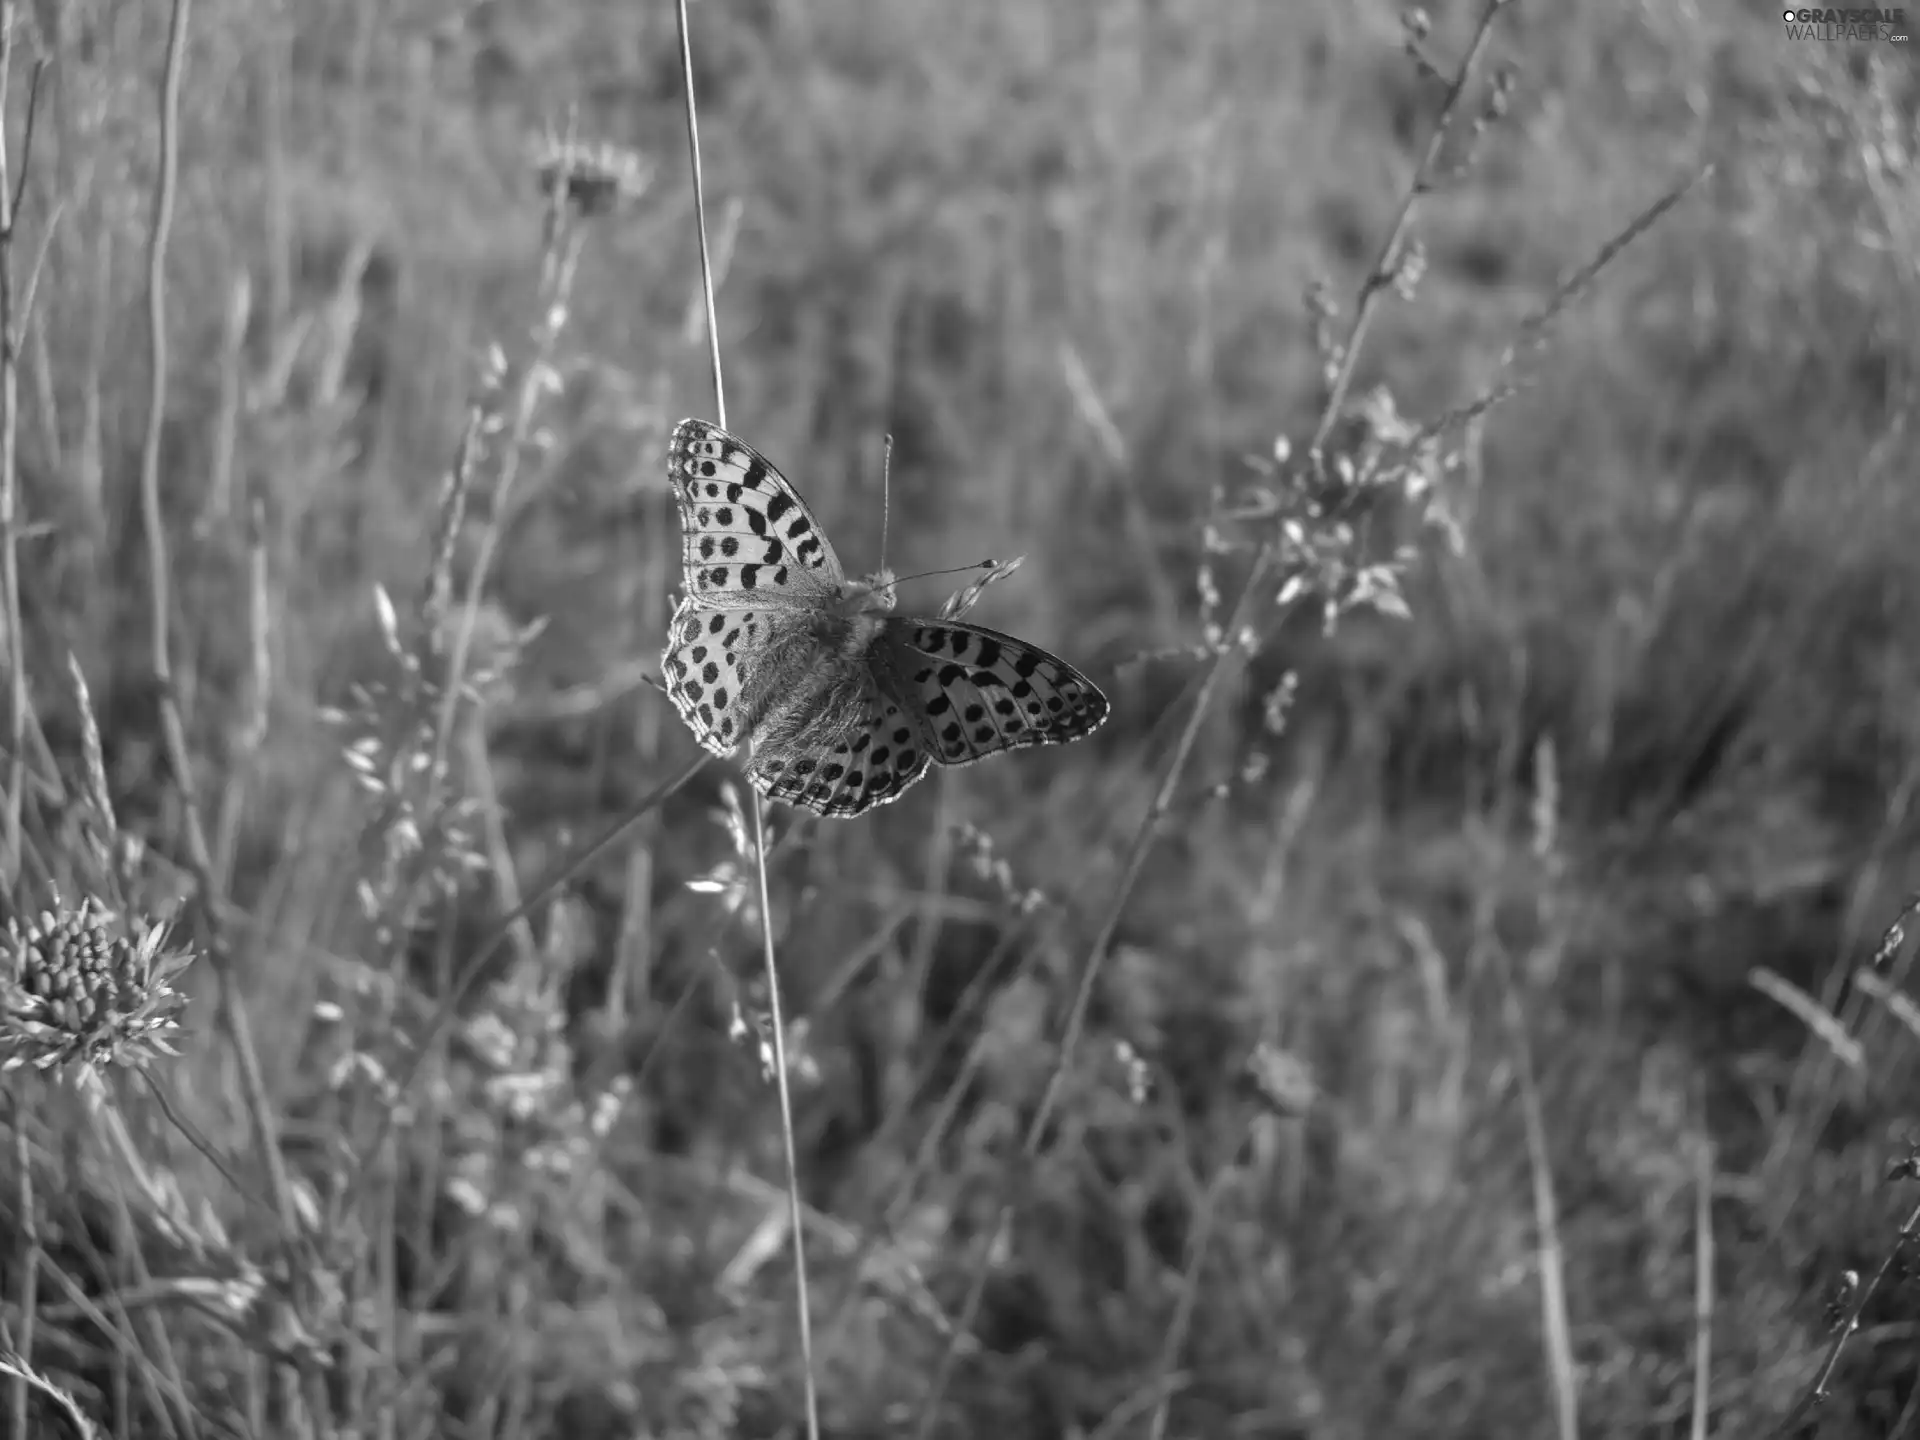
x=844 y=705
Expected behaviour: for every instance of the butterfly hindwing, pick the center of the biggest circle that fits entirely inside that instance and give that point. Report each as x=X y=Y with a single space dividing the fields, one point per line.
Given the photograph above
x=747 y=538
x=870 y=762
x=704 y=670
x=981 y=692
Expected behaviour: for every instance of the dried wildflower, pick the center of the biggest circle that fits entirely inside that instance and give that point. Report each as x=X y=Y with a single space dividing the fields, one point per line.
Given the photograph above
x=79 y=985
x=731 y=879
x=1137 y=1072
x=1839 y=1307
x=978 y=853
x=594 y=179
x=1546 y=807
x=1278 y=704
x=1500 y=94
x=1323 y=310
x=1207 y=585
x=1279 y=1081
x=1895 y=934
x=961 y=601
x=1409 y=268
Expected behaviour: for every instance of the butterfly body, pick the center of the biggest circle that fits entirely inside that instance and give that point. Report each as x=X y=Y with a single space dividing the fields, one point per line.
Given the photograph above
x=843 y=704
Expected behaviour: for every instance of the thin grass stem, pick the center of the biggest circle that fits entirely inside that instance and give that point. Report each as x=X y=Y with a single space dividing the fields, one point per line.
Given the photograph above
x=232 y=1015
x=29 y=1260
x=10 y=487
x=1703 y=1279
x=776 y=1018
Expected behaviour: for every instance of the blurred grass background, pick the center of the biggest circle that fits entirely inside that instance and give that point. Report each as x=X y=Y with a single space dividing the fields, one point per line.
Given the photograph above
x=1059 y=252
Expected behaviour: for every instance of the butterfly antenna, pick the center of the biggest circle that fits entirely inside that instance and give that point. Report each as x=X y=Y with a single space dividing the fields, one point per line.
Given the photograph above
x=955 y=570
x=886 y=495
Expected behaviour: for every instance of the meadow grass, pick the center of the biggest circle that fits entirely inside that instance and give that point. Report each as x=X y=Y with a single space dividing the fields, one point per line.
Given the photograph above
x=1473 y=1017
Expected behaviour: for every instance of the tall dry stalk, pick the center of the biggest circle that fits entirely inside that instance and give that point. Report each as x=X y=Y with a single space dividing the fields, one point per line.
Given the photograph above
x=207 y=899
x=10 y=482
x=776 y=1018
x=29 y=1257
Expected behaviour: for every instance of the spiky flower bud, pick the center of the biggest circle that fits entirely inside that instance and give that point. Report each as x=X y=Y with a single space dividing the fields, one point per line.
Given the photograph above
x=79 y=985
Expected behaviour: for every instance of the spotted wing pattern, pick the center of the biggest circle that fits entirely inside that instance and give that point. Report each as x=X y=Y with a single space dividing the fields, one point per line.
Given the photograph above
x=704 y=669
x=978 y=692
x=876 y=761
x=848 y=709
x=748 y=541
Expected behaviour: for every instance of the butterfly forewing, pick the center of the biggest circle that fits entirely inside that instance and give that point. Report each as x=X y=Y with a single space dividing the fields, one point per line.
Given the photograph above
x=747 y=538
x=981 y=692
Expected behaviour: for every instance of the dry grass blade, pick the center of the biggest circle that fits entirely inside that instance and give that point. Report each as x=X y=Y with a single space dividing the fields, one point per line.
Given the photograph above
x=12 y=1364
x=777 y=1021
x=10 y=487
x=1811 y=1013
x=16 y=658
x=1536 y=329
x=1898 y=1003
x=1703 y=1286
x=1546 y=1213
x=232 y=1013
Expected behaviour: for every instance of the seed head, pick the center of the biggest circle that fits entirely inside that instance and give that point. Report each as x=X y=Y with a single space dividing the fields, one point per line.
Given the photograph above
x=1279 y=1081
x=79 y=985
x=594 y=179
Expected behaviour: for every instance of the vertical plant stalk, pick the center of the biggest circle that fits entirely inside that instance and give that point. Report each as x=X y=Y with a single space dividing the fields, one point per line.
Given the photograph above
x=1703 y=1279
x=251 y=733
x=559 y=265
x=172 y=727
x=274 y=83
x=1546 y=1214
x=796 y=1220
x=29 y=1261
x=232 y=389
x=10 y=487
x=1252 y=595
x=633 y=956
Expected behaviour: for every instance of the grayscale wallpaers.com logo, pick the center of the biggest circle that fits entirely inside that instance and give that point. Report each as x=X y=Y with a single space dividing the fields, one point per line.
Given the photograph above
x=1816 y=24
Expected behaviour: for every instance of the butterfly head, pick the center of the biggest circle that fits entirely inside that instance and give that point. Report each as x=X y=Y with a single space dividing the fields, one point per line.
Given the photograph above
x=868 y=596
